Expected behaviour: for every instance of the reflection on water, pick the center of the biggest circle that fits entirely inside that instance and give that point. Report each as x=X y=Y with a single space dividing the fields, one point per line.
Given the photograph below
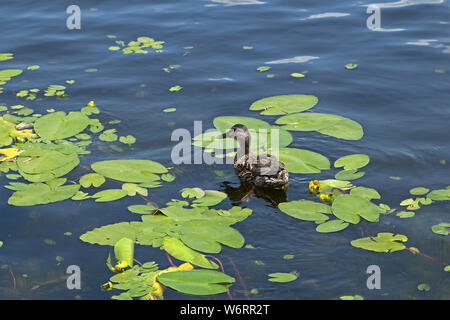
x=245 y=191
x=297 y=59
x=238 y=2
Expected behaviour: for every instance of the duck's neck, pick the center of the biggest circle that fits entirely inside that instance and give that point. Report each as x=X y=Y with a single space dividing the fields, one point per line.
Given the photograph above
x=244 y=147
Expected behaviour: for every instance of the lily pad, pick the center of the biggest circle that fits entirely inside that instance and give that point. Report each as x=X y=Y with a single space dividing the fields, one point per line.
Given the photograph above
x=302 y=161
x=196 y=282
x=419 y=191
x=306 y=210
x=43 y=193
x=332 y=226
x=350 y=208
x=131 y=170
x=441 y=228
x=328 y=124
x=383 y=242
x=92 y=179
x=285 y=104
x=351 y=174
x=109 y=195
x=180 y=251
x=353 y=161
x=282 y=277
x=58 y=125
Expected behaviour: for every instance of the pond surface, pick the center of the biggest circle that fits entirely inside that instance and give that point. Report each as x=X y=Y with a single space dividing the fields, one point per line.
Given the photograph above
x=399 y=93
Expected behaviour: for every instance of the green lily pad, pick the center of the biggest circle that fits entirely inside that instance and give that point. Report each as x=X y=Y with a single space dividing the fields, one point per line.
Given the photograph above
x=282 y=277
x=332 y=226
x=109 y=195
x=423 y=287
x=302 y=161
x=39 y=163
x=43 y=193
x=350 y=208
x=441 y=228
x=110 y=234
x=351 y=66
x=419 y=191
x=127 y=139
x=263 y=68
x=7 y=74
x=366 y=193
x=285 y=104
x=196 y=282
x=181 y=252
x=92 y=179
x=132 y=189
x=383 y=242
x=58 y=125
x=131 y=170
x=142 y=209
x=124 y=250
x=192 y=193
x=306 y=210
x=328 y=124
x=351 y=174
x=353 y=161
x=439 y=195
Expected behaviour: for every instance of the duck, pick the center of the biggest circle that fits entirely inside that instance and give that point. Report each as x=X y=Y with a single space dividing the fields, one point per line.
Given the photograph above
x=263 y=170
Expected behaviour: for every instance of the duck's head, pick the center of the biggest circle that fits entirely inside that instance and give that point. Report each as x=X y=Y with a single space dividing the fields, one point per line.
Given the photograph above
x=238 y=132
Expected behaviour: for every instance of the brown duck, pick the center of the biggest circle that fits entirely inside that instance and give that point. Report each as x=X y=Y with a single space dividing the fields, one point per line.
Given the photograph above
x=262 y=170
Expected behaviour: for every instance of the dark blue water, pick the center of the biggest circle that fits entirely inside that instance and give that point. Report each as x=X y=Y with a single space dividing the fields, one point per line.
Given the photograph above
x=400 y=94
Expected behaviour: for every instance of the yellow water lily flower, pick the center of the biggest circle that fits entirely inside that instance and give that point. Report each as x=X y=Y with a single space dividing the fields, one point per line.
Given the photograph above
x=328 y=198
x=121 y=266
x=315 y=187
x=107 y=286
x=157 y=293
x=10 y=154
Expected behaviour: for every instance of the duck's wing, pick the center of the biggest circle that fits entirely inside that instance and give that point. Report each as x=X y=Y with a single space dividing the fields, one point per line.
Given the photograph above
x=267 y=165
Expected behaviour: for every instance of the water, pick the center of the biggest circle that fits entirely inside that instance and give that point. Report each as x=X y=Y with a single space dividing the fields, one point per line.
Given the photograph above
x=396 y=95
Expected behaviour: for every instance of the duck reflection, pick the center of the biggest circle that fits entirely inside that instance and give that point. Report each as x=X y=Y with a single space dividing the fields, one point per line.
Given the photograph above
x=246 y=190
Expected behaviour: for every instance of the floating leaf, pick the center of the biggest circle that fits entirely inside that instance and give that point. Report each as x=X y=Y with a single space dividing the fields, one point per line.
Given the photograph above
x=351 y=174
x=355 y=297
x=33 y=67
x=196 y=282
x=297 y=75
x=383 y=242
x=423 y=287
x=282 y=277
x=263 y=68
x=130 y=170
x=285 y=104
x=128 y=139
x=108 y=135
x=167 y=177
x=351 y=66
x=142 y=209
x=170 y=110
x=58 y=125
x=132 y=189
x=366 y=193
x=175 y=88
x=418 y=191
x=110 y=195
x=302 y=161
x=38 y=163
x=350 y=208
x=306 y=210
x=7 y=74
x=124 y=250
x=405 y=214
x=439 y=195
x=353 y=161
x=92 y=179
x=110 y=234
x=192 y=193
x=328 y=124
x=332 y=226
x=181 y=252
x=41 y=193
x=441 y=228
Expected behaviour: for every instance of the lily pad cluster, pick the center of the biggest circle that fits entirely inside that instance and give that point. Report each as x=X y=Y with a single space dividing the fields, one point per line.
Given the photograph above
x=51 y=147
x=348 y=205
x=189 y=230
x=140 y=45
